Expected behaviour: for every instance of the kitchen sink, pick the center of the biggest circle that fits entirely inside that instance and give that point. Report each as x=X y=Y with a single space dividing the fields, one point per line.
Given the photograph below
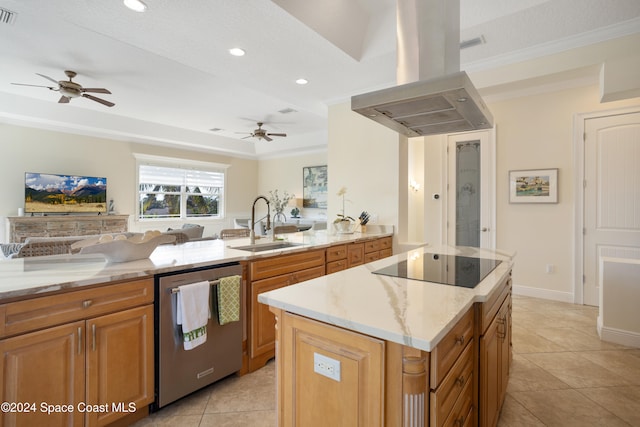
x=259 y=247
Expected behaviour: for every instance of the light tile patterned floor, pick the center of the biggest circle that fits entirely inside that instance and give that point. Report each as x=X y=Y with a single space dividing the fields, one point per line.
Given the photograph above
x=562 y=375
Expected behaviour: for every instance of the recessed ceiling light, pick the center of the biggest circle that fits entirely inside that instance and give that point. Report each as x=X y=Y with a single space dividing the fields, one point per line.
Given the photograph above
x=136 y=5
x=236 y=51
x=302 y=81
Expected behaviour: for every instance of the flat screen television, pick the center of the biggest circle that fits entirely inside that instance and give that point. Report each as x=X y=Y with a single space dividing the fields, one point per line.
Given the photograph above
x=63 y=194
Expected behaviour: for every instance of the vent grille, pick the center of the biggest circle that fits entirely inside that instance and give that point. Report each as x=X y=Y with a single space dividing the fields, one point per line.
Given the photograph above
x=7 y=16
x=464 y=44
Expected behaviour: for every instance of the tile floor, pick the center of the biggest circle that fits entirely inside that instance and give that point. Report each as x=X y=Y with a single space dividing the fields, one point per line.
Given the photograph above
x=562 y=375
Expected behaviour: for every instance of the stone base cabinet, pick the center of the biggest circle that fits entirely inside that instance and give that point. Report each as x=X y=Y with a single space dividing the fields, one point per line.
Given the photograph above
x=84 y=356
x=460 y=383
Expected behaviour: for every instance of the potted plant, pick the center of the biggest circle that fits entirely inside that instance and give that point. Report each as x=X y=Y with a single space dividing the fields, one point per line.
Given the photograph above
x=343 y=223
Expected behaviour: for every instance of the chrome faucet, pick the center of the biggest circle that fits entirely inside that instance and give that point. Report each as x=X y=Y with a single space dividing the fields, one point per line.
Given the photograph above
x=252 y=233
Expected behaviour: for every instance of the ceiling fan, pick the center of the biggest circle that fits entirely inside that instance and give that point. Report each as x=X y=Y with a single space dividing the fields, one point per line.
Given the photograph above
x=262 y=133
x=70 y=89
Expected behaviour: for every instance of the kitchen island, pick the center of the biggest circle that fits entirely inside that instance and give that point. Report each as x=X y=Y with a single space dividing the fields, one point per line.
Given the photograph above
x=356 y=348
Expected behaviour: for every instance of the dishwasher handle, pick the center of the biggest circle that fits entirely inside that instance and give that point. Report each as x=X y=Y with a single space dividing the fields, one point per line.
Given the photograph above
x=211 y=282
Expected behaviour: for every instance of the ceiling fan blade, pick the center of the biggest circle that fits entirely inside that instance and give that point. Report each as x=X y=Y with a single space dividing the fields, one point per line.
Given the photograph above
x=63 y=100
x=101 y=101
x=48 y=78
x=246 y=137
x=277 y=134
x=267 y=138
x=95 y=90
x=24 y=84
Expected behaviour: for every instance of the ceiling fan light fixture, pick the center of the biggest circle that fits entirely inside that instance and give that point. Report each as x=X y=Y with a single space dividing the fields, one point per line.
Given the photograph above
x=236 y=51
x=135 y=5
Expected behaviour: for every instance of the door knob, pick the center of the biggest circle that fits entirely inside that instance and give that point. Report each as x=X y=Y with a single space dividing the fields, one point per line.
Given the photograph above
x=484 y=229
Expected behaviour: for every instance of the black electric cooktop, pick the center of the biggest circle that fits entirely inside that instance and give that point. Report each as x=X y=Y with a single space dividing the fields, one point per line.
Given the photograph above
x=445 y=269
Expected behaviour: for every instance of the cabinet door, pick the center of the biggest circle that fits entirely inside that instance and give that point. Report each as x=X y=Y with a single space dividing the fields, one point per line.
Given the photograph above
x=504 y=333
x=490 y=381
x=263 y=322
x=119 y=364
x=45 y=366
x=355 y=254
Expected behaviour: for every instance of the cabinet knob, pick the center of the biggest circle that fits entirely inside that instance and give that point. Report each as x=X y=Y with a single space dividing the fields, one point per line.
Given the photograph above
x=460 y=340
x=460 y=381
x=87 y=303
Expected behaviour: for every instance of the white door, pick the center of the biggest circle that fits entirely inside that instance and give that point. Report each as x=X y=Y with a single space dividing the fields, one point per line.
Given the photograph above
x=611 y=194
x=471 y=190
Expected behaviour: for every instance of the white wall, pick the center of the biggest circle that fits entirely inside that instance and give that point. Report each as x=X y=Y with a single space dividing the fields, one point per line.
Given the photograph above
x=34 y=150
x=285 y=174
x=363 y=157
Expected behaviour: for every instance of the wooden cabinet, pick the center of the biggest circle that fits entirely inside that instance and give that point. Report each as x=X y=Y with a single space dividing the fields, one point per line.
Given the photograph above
x=268 y=274
x=377 y=249
x=356 y=388
x=336 y=258
x=452 y=376
x=495 y=358
x=355 y=254
x=94 y=350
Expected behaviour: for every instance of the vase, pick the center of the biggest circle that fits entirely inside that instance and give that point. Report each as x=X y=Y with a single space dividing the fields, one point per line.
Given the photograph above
x=342 y=226
x=279 y=217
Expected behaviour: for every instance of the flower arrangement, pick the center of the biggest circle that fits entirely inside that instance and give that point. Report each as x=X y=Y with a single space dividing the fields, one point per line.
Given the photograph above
x=279 y=203
x=342 y=216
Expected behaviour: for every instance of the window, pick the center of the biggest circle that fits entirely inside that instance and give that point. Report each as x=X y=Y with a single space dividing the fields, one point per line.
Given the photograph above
x=180 y=191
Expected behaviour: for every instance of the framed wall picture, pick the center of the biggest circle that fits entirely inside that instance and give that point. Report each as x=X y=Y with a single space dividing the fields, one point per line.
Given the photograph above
x=533 y=186
x=314 y=187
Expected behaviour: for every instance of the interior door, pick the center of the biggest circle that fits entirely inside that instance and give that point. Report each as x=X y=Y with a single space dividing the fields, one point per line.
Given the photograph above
x=471 y=189
x=611 y=194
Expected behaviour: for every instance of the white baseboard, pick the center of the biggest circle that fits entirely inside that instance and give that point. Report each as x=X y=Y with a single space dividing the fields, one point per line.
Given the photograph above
x=543 y=293
x=618 y=336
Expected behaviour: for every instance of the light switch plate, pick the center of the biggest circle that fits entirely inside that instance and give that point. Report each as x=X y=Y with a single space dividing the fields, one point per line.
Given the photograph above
x=326 y=366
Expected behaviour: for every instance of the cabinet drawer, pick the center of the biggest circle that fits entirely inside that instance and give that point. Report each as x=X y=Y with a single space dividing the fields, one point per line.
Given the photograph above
x=37 y=313
x=283 y=264
x=444 y=398
x=335 y=266
x=372 y=256
x=335 y=253
x=449 y=349
x=385 y=253
x=462 y=414
x=372 y=246
x=386 y=243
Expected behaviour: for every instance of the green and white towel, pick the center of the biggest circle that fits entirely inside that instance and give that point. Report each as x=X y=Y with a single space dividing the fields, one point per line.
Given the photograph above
x=229 y=299
x=193 y=313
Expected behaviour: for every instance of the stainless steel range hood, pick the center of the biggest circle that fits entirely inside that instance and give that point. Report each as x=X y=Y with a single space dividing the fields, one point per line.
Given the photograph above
x=440 y=105
x=440 y=101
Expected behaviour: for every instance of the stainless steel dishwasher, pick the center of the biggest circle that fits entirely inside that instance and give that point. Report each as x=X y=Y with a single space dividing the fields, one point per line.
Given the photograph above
x=178 y=371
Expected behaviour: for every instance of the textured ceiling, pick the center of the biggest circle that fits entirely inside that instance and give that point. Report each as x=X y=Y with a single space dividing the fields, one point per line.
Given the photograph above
x=173 y=80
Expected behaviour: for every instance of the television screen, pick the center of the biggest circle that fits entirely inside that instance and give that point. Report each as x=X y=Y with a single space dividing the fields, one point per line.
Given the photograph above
x=50 y=193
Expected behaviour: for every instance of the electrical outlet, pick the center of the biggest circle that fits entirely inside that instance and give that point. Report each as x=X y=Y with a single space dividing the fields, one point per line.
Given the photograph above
x=326 y=366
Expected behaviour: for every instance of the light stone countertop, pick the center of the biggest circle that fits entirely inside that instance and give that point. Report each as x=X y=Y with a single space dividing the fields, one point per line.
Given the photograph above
x=410 y=312
x=31 y=276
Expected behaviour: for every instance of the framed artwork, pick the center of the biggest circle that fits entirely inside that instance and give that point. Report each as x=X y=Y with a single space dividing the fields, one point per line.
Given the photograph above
x=533 y=186
x=314 y=187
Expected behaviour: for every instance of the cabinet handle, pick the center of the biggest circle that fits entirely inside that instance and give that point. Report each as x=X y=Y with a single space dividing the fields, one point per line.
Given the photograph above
x=79 y=340
x=459 y=422
x=93 y=337
x=460 y=340
x=87 y=303
x=460 y=381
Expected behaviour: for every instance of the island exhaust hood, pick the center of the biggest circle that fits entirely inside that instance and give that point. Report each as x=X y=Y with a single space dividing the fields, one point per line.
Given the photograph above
x=443 y=100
